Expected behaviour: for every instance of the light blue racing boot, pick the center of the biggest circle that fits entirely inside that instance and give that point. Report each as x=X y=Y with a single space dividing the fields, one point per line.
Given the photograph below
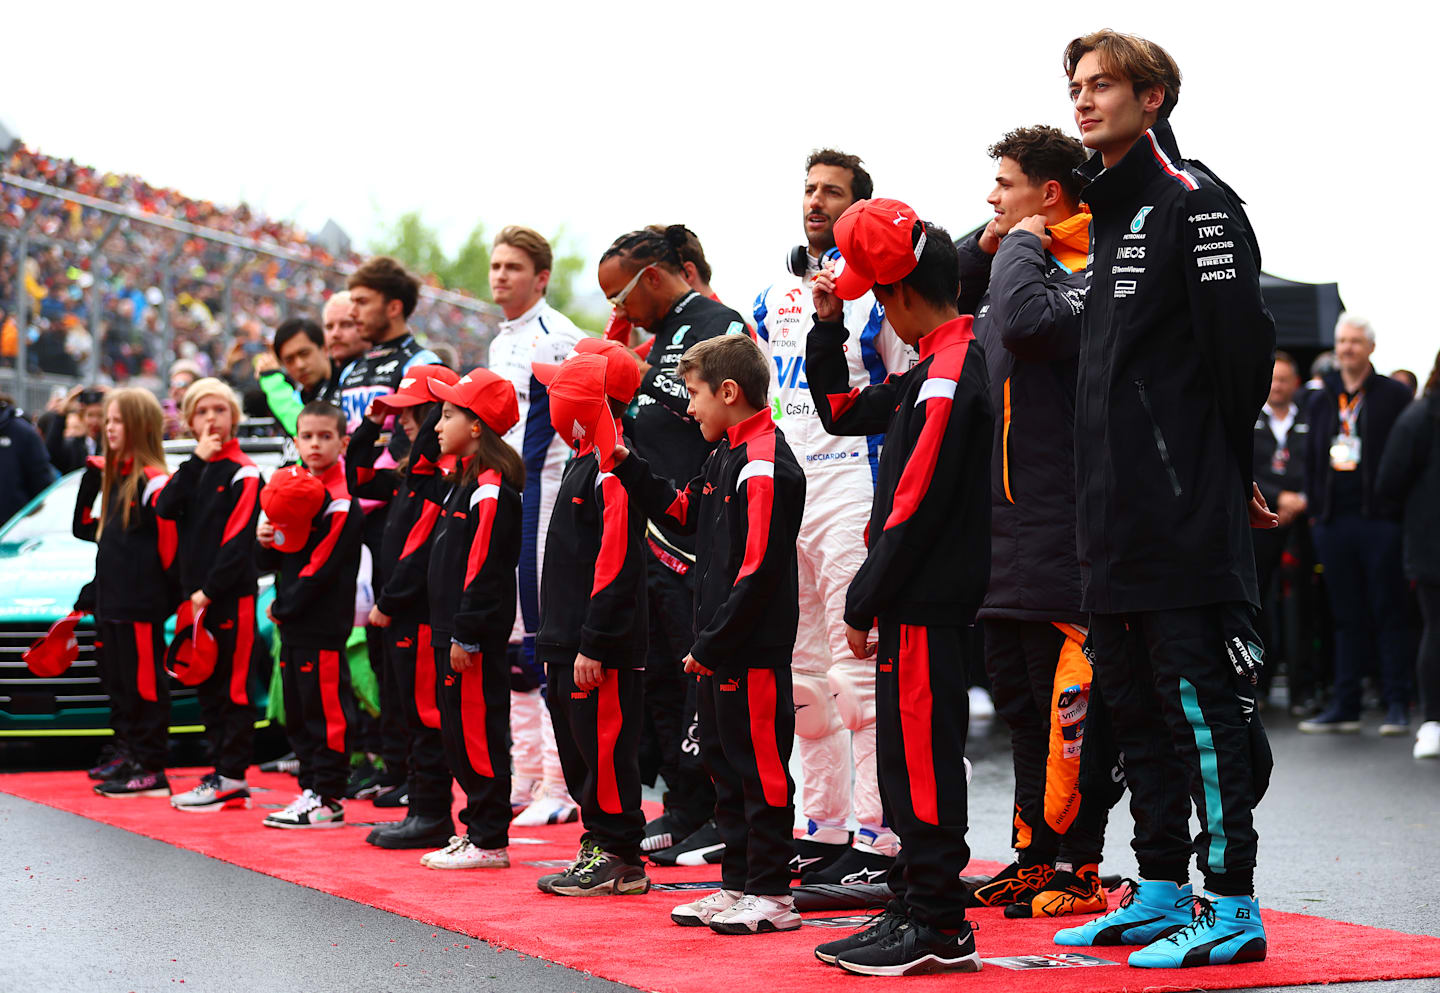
x=1149 y=910
x=1226 y=929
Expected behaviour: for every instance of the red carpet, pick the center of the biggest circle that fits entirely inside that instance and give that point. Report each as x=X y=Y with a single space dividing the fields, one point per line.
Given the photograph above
x=631 y=939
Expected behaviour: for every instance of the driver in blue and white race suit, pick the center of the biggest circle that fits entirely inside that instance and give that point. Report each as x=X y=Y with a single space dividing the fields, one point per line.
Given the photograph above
x=533 y=331
x=834 y=690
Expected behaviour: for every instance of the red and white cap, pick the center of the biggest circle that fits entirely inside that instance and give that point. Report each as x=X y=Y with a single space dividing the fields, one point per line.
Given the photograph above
x=52 y=654
x=487 y=395
x=291 y=500
x=622 y=374
x=415 y=387
x=875 y=242
x=192 y=653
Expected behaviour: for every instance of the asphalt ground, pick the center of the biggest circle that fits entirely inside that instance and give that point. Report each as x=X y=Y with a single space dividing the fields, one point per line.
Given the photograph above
x=1348 y=830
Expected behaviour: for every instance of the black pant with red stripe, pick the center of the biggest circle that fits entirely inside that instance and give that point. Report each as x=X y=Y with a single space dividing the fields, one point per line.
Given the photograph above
x=134 y=657
x=411 y=657
x=475 y=724
x=225 y=697
x=318 y=713
x=922 y=713
x=597 y=733
x=747 y=729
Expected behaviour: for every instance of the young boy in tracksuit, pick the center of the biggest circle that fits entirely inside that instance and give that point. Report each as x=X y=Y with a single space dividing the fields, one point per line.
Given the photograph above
x=746 y=506
x=311 y=541
x=593 y=622
x=213 y=499
x=402 y=605
x=926 y=569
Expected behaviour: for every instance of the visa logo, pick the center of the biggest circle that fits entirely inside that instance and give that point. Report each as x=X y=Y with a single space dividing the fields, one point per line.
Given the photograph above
x=790 y=372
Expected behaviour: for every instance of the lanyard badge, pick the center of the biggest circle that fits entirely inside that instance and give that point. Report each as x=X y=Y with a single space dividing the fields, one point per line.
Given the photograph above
x=1345 y=446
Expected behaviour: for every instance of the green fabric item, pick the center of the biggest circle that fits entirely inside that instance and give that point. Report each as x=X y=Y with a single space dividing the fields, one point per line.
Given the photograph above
x=362 y=677
x=283 y=400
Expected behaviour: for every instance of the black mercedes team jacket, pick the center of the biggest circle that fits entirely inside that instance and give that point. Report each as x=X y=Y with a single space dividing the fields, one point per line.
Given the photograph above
x=1175 y=362
x=593 y=580
x=928 y=540
x=1027 y=318
x=744 y=509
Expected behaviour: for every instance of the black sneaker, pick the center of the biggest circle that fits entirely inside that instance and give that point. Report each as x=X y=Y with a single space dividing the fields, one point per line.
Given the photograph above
x=394 y=796
x=880 y=925
x=703 y=847
x=914 y=949
x=364 y=781
x=134 y=781
x=815 y=856
x=859 y=864
x=663 y=832
x=413 y=832
x=108 y=764
x=581 y=857
x=602 y=874
x=1015 y=883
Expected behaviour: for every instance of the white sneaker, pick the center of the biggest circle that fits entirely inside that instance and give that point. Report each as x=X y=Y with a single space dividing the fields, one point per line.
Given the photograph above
x=215 y=792
x=1427 y=741
x=462 y=853
x=551 y=808
x=522 y=794
x=753 y=914
x=455 y=840
x=699 y=913
x=982 y=708
x=308 y=810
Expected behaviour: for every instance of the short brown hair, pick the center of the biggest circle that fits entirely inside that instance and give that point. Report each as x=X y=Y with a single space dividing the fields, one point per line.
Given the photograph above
x=1142 y=62
x=529 y=241
x=390 y=279
x=729 y=356
x=1045 y=153
x=323 y=408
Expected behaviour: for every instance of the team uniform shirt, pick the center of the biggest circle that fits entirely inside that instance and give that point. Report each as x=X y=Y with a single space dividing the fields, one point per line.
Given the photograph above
x=215 y=506
x=1175 y=363
x=593 y=585
x=929 y=533
x=472 y=563
x=135 y=576
x=662 y=432
x=745 y=509
x=378 y=373
x=541 y=334
x=315 y=586
x=286 y=400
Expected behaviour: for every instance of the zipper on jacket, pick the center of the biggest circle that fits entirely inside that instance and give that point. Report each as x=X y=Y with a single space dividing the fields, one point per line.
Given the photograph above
x=1160 y=445
x=1005 y=445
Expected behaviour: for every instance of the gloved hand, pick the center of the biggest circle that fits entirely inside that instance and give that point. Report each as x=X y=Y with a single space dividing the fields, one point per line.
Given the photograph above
x=1242 y=643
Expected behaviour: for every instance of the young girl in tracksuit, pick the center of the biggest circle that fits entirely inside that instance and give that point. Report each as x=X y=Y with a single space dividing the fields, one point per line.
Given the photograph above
x=472 y=607
x=413 y=493
x=135 y=587
x=213 y=498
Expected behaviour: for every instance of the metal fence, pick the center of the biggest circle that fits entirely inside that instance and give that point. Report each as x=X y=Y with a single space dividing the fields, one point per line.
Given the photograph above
x=114 y=254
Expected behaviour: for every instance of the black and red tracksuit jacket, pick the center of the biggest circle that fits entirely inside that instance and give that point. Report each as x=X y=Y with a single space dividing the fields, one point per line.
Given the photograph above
x=592 y=585
x=135 y=566
x=215 y=505
x=404 y=556
x=475 y=550
x=928 y=561
x=745 y=508
x=315 y=587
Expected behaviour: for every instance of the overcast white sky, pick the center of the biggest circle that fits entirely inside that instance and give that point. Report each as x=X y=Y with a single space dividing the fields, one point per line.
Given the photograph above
x=604 y=117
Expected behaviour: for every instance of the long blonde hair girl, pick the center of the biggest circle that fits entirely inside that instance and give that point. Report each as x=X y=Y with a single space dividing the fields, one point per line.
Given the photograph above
x=144 y=423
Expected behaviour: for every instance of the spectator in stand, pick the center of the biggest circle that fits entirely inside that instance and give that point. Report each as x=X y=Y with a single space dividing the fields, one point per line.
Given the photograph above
x=1410 y=476
x=1357 y=534
x=1407 y=379
x=25 y=467
x=182 y=374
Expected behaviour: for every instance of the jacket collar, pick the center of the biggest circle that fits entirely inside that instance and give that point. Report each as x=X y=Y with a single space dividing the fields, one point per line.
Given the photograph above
x=762 y=422
x=1154 y=152
x=229 y=450
x=950 y=333
x=1336 y=385
x=524 y=318
x=334 y=479
x=1070 y=240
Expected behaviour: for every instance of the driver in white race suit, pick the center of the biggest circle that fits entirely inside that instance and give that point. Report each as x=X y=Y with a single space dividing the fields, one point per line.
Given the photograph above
x=533 y=331
x=834 y=690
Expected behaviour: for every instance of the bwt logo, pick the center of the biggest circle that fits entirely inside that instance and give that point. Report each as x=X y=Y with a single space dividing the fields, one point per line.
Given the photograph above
x=789 y=372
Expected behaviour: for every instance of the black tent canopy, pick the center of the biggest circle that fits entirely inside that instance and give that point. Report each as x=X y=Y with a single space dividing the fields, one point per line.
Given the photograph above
x=1305 y=313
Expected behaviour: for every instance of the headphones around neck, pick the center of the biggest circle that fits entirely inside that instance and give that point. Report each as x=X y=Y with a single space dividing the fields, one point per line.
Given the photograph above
x=798 y=262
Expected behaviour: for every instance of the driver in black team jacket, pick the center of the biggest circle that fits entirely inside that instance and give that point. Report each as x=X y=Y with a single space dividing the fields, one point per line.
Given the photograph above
x=1175 y=362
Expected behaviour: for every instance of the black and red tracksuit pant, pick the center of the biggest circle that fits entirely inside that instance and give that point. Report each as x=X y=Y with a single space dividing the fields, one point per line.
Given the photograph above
x=225 y=697
x=922 y=714
x=1040 y=682
x=319 y=711
x=597 y=733
x=747 y=729
x=132 y=663
x=475 y=725
x=1191 y=739
x=410 y=655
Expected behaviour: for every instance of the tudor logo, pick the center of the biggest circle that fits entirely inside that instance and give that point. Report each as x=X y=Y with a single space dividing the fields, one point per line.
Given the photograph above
x=1139 y=221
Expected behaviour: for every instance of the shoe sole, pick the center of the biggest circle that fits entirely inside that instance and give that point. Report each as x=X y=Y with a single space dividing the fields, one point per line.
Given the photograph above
x=1394 y=730
x=924 y=966
x=607 y=888
x=686 y=921
x=429 y=843
x=1252 y=951
x=443 y=868
x=696 y=856
x=304 y=827
x=233 y=803
x=761 y=927
x=1340 y=727
x=122 y=796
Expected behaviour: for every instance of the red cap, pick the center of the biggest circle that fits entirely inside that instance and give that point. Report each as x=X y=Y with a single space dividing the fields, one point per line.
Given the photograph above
x=485 y=394
x=192 y=654
x=622 y=375
x=291 y=500
x=415 y=387
x=874 y=238
x=52 y=654
x=579 y=410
